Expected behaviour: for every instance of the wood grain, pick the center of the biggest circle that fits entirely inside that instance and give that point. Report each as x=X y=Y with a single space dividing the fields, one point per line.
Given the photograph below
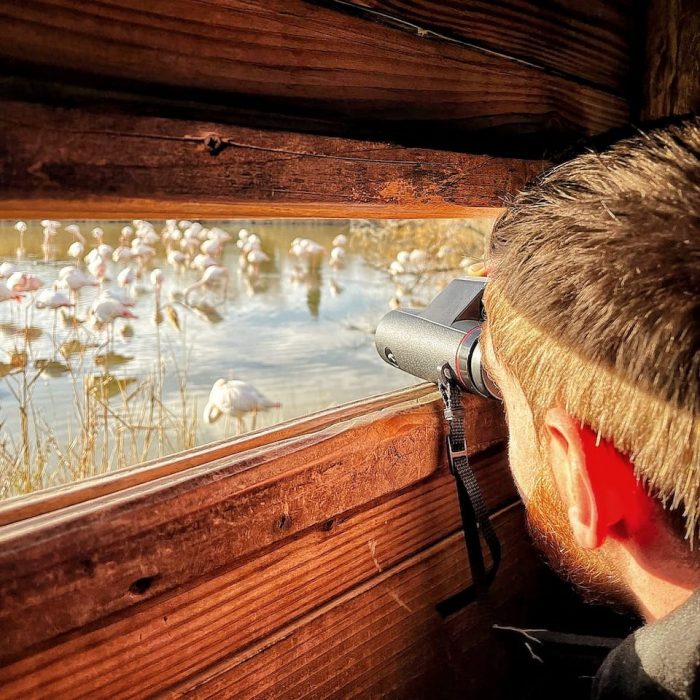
x=296 y=56
x=164 y=642
x=383 y=639
x=672 y=78
x=51 y=499
x=591 y=41
x=72 y=162
x=64 y=570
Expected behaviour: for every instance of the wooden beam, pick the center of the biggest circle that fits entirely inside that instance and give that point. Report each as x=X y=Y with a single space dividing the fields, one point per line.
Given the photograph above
x=672 y=77
x=299 y=57
x=75 y=567
x=236 y=612
x=591 y=42
x=13 y=510
x=97 y=163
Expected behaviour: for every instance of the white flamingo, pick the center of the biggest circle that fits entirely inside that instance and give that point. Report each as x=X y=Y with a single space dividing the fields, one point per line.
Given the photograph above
x=98 y=268
x=212 y=247
x=202 y=262
x=74 y=280
x=105 y=311
x=24 y=282
x=76 y=250
x=6 y=269
x=255 y=258
x=214 y=276
x=126 y=278
x=337 y=258
x=54 y=299
x=21 y=228
x=6 y=294
x=236 y=398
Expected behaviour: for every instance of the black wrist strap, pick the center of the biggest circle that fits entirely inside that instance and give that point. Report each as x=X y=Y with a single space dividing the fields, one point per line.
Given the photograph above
x=475 y=517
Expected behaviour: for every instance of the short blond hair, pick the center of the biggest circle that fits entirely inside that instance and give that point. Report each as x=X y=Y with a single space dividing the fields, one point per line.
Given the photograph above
x=593 y=302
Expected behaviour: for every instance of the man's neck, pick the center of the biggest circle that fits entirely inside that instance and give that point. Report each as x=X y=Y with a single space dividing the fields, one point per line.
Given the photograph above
x=659 y=585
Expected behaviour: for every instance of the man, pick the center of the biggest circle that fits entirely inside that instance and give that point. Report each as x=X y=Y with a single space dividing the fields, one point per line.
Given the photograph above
x=593 y=336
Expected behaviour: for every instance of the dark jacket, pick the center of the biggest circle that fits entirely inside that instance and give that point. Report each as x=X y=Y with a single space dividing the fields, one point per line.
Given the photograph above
x=660 y=660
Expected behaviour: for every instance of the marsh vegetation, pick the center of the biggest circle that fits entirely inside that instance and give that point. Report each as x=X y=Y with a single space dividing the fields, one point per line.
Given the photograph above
x=125 y=367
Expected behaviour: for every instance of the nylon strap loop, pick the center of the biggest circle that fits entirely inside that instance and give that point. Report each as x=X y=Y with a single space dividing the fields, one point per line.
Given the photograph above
x=475 y=518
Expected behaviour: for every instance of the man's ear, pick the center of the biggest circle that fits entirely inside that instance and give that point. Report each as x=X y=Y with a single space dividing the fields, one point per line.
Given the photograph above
x=597 y=483
x=567 y=458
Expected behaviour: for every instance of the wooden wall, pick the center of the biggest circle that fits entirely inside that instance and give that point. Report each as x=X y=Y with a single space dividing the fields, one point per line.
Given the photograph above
x=126 y=106
x=312 y=565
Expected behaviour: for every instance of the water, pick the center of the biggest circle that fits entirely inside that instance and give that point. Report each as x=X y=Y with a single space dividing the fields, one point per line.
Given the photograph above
x=304 y=340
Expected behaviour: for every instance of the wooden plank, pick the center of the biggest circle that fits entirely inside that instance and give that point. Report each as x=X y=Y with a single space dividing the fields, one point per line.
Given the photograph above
x=28 y=506
x=162 y=643
x=672 y=77
x=592 y=41
x=298 y=57
x=64 y=570
x=99 y=163
x=384 y=638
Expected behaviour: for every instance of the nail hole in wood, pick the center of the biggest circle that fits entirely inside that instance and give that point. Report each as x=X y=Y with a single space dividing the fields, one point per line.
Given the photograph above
x=284 y=521
x=142 y=585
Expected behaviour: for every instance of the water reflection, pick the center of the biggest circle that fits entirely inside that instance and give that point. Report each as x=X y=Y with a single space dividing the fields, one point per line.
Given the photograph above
x=125 y=350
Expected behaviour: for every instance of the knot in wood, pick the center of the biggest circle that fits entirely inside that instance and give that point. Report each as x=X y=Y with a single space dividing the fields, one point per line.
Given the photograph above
x=214 y=144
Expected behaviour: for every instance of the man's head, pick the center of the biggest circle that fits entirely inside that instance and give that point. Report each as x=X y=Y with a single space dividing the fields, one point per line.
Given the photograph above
x=592 y=331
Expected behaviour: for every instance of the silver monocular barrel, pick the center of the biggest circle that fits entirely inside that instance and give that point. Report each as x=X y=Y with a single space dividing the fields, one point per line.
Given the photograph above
x=421 y=347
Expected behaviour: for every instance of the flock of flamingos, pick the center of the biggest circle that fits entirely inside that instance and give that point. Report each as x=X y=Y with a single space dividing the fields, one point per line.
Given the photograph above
x=186 y=245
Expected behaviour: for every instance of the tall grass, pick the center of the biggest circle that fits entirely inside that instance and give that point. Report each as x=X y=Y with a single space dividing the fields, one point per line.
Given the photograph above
x=113 y=422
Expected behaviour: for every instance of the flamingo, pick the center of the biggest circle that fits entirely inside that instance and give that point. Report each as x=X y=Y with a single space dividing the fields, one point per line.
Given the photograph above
x=105 y=312
x=220 y=235
x=98 y=268
x=122 y=253
x=120 y=295
x=127 y=233
x=21 y=228
x=396 y=269
x=6 y=294
x=74 y=230
x=340 y=241
x=74 y=279
x=418 y=258
x=19 y=282
x=6 y=269
x=236 y=398
x=403 y=257
x=212 y=246
x=48 y=246
x=76 y=250
x=214 y=276
x=126 y=278
x=24 y=282
x=98 y=234
x=337 y=257
x=255 y=258
x=177 y=259
x=53 y=299
x=202 y=262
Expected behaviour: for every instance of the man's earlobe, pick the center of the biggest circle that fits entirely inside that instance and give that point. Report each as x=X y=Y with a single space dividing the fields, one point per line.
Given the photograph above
x=567 y=459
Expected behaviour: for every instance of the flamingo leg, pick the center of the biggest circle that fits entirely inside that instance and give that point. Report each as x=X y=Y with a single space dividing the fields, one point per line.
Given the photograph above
x=255 y=415
x=240 y=425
